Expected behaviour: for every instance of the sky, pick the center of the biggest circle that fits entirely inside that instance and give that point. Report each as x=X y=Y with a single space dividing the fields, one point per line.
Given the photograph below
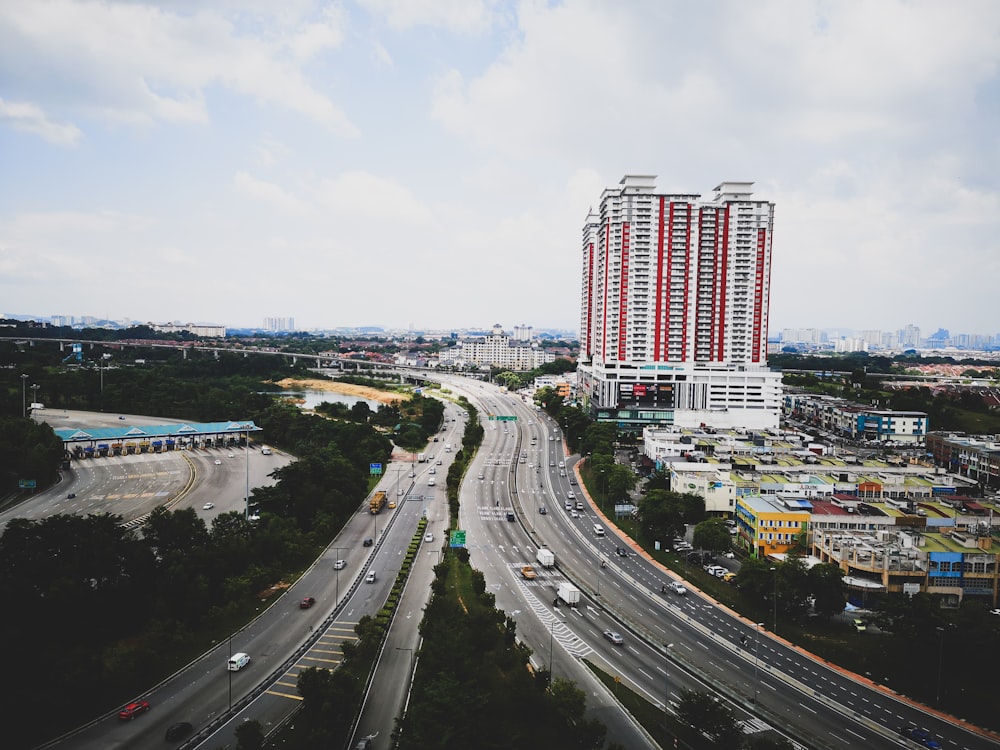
x=430 y=163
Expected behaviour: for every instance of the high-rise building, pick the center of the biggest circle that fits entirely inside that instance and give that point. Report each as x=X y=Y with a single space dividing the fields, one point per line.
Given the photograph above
x=674 y=308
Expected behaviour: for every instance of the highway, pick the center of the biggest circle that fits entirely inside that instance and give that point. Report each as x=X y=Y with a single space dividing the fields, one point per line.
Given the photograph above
x=819 y=706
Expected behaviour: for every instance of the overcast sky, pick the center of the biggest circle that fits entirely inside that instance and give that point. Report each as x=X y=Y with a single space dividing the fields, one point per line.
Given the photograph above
x=430 y=163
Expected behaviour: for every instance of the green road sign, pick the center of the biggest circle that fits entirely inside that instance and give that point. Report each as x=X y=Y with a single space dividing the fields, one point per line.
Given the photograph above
x=374 y=469
x=29 y=484
x=505 y=418
x=458 y=538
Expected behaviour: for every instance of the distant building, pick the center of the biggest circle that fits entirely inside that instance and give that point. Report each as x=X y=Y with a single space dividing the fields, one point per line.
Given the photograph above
x=674 y=308
x=207 y=331
x=496 y=350
x=279 y=325
x=856 y=422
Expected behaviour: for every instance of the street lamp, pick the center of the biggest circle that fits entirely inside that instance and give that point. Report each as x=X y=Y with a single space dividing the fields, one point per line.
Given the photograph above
x=337 y=569
x=756 y=658
x=246 y=447
x=24 y=402
x=666 y=680
x=774 y=570
x=411 y=658
x=937 y=701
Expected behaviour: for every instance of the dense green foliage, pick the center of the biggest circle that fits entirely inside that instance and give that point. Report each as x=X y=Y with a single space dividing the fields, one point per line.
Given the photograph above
x=141 y=604
x=28 y=450
x=474 y=684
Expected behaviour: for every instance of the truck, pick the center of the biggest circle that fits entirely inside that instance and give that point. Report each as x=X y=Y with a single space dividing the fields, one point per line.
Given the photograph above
x=528 y=572
x=568 y=593
x=421 y=458
x=377 y=502
x=546 y=558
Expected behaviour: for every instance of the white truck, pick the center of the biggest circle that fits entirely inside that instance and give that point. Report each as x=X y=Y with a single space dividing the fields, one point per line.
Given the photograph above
x=568 y=593
x=421 y=458
x=546 y=558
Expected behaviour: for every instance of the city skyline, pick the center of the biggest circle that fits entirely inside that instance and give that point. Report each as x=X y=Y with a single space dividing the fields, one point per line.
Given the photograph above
x=388 y=163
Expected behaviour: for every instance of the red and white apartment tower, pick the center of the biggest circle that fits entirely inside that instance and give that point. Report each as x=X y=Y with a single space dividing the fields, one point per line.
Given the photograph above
x=674 y=309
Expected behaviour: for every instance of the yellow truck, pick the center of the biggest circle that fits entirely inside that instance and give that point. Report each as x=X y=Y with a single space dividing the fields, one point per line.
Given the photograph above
x=377 y=502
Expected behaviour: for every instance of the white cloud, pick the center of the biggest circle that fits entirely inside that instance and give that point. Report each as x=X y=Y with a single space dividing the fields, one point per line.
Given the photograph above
x=138 y=63
x=268 y=193
x=31 y=119
x=460 y=16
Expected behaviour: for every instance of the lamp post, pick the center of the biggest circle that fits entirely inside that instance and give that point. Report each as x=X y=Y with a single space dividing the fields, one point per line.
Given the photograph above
x=24 y=401
x=246 y=448
x=666 y=680
x=756 y=658
x=774 y=628
x=336 y=568
x=411 y=658
x=937 y=700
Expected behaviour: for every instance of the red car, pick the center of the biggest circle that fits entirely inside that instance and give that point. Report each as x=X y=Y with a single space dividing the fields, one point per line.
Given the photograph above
x=133 y=709
x=307 y=603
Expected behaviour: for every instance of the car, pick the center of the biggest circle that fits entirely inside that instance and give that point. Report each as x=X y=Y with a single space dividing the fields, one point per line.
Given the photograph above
x=568 y=505
x=428 y=537
x=677 y=587
x=995 y=611
x=71 y=495
x=562 y=465
x=368 y=542
x=920 y=735
x=552 y=463
x=571 y=495
x=412 y=474
x=133 y=709
x=481 y=477
x=579 y=506
x=438 y=462
x=370 y=578
x=178 y=731
x=572 y=480
x=435 y=440
x=542 y=510
x=208 y=506
x=306 y=602
x=621 y=551
x=392 y=504
x=340 y=564
x=432 y=470
x=614 y=637
x=729 y=577
x=574 y=514
x=431 y=482
x=121 y=417
x=730 y=555
x=859 y=625
x=218 y=462
x=401 y=491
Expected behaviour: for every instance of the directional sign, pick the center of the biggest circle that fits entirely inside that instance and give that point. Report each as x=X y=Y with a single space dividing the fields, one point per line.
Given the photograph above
x=458 y=538
x=30 y=484
x=374 y=469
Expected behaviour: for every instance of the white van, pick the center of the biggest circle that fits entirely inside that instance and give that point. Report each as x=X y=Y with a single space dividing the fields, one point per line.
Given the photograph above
x=237 y=662
x=598 y=530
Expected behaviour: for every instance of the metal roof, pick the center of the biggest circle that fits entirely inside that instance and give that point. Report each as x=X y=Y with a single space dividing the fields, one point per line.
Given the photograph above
x=142 y=432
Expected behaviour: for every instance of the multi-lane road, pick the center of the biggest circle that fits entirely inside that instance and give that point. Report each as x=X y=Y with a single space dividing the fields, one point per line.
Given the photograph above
x=773 y=684
x=670 y=642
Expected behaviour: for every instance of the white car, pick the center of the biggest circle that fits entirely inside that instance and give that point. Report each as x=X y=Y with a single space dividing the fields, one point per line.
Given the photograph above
x=432 y=470
x=231 y=455
x=428 y=537
x=677 y=587
x=208 y=506
x=574 y=514
x=340 y=564
x=370 y=578
x=614 y=637
x=218 y=462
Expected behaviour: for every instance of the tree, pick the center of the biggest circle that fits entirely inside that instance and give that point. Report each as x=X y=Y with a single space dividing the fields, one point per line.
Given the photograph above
x=249 y=735
x=826 y=581
x=708 y=714
x=621 y=480
x=712 y=535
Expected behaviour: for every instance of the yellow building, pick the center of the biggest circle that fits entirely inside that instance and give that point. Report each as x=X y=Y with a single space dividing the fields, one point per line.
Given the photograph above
x=770 y=525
